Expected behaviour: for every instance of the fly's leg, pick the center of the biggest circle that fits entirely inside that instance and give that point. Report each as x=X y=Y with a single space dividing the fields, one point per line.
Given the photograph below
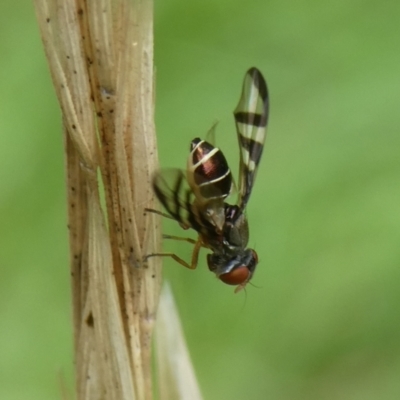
x=159 y=213
x=197 y=244
x=189 y=240
x=166 y=216
x=195 y=255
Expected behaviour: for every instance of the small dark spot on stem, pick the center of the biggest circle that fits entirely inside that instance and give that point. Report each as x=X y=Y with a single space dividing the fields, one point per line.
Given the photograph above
x=90 y=320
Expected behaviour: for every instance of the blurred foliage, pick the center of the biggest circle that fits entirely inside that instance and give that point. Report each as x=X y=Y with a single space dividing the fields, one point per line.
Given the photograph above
x=322 y=321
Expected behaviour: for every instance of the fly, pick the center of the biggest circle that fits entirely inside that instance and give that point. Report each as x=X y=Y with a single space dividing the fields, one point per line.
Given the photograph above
x=195 y=198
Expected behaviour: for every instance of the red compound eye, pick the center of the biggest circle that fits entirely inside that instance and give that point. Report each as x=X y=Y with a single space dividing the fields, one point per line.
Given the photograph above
x=237 y=276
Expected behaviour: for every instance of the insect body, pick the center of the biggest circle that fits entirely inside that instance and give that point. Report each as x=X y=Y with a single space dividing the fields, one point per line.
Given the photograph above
x=210 y=180
x=196 y=199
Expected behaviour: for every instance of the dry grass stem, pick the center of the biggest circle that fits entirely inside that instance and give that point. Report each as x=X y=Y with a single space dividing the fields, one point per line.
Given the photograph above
x=101 y=60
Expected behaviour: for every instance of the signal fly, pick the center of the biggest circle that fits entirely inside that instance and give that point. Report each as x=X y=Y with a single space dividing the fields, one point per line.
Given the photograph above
x=195 y=198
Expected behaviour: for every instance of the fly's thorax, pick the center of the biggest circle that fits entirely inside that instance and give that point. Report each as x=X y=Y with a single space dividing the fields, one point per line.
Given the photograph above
x=236 y=228
x=213 y=211
x=208 y=172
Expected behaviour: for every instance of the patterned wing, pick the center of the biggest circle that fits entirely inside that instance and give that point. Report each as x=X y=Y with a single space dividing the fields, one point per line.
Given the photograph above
x=251 y=116
x=172 y=189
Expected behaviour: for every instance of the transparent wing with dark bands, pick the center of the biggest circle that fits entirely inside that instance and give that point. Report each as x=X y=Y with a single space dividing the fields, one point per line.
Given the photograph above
x=172 y=189
x=251 y=116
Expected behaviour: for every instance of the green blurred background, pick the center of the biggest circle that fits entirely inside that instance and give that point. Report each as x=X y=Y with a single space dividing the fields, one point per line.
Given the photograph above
x=323 y=320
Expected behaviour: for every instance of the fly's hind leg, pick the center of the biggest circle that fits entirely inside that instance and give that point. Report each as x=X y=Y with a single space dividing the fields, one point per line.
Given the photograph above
x=195 y=255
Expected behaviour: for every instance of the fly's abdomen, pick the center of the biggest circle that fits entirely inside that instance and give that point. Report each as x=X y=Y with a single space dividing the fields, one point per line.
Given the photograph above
x=208 y=172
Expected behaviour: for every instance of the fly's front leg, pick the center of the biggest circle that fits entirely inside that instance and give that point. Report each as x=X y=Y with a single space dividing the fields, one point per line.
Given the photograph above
x=189 y=240
x=166 y=216
x=159 y=213
x=195 y=255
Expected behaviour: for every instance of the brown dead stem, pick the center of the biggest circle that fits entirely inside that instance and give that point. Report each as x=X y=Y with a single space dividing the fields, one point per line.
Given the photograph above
x=100 y=55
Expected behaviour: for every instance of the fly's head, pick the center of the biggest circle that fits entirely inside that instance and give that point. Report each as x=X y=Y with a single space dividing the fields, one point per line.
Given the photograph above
x=237 y=270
